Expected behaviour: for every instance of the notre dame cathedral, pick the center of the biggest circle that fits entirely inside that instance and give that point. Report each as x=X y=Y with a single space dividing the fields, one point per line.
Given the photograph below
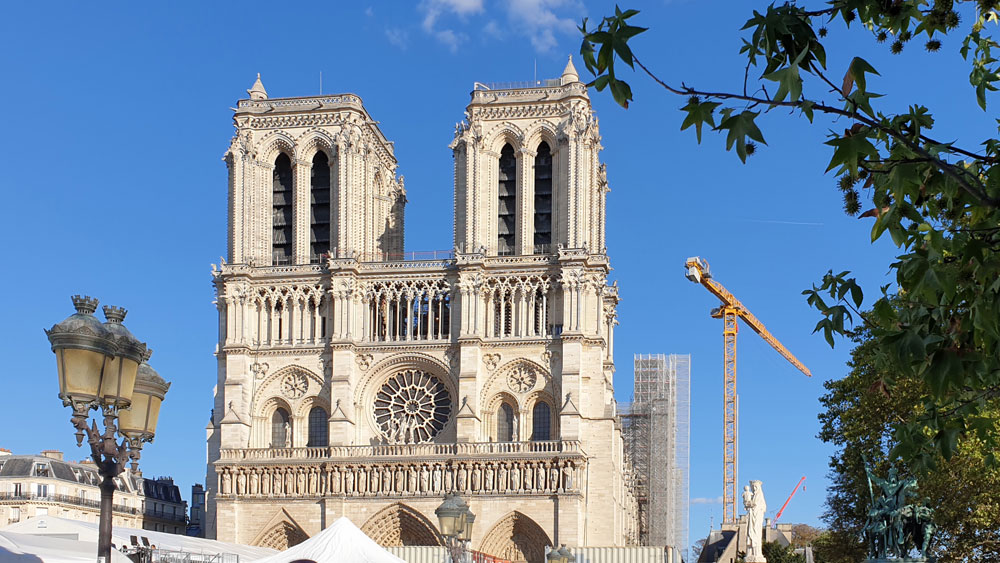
x=357 y=380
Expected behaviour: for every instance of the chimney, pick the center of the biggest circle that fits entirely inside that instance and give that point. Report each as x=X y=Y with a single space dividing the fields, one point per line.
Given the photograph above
x=53 y=454
x=4 y=451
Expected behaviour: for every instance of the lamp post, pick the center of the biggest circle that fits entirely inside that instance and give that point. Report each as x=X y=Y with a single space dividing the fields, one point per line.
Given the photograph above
x=455 y=521
x=103 y=366
x=561 y=555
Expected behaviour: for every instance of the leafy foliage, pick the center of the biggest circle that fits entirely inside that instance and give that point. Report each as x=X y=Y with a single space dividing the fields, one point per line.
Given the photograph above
x=774 y=552
x=964 y=491
x=939 y=203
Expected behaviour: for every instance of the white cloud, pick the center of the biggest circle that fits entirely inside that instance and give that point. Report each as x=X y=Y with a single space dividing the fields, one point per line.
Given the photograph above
x=492 y=29
x=397 y=37
x=369 y=11
x=538 y=20
x=450 y=39
x=706 y=500
x=433 y=9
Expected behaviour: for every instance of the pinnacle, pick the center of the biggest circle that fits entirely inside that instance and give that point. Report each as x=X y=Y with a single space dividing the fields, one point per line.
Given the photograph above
x=257 y=91
x=569 y=74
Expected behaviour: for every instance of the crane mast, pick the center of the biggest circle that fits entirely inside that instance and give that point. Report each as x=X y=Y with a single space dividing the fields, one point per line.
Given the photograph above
x=731 y=309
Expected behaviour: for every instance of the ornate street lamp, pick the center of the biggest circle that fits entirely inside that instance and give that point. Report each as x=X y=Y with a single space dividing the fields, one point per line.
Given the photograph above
x=455 y=521
x=561 y=555
x=102 y=366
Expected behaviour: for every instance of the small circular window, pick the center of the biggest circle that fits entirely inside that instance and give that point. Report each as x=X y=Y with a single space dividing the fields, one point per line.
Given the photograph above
x=411 y=407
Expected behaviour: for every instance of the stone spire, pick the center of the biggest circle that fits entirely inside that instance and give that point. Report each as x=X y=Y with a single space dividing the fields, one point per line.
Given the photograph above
x=569 y=74
x=257 y=91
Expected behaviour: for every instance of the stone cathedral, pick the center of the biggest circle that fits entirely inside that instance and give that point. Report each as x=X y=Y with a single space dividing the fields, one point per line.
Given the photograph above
x=356 y=380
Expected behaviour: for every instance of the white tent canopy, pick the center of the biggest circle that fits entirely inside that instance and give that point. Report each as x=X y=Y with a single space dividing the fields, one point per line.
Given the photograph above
x=342 y=542
x=25 y=548
x=53 y=527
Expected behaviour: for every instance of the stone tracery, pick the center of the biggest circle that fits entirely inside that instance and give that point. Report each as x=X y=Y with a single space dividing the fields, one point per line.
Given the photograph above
x=412 y=406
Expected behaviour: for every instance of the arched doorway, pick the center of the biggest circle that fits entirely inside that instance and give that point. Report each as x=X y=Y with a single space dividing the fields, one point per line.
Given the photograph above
x=282 y=536
x=398 y=525
x=518 y=538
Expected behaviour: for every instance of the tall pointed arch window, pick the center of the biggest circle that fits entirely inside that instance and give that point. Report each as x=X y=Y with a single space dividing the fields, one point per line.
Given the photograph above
x=318 y=429
x=505 y=423
x=281 y=429
x=319 y=212
x=541 y=422
x=507 y=208
x=543 y=199
x=281 y=211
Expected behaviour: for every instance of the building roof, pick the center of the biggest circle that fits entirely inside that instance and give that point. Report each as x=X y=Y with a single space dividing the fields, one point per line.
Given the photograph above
x=12 y=466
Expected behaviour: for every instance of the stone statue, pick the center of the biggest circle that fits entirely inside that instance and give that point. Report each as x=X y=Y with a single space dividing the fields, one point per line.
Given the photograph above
x=362 y=482
x=288 y=436
x=488 y=482
x=349 y=481
x=554 y=477
x=278 y=481
x=241 y=483
x=753 y=501
x=335 y=481
x=300 y=482
x=515 y=478
x=436 y=479
x=895 y=527
x=254 y=483
x=476 y=478
x=227 y=483
x=312 y=482
x=502 y=478
x=424 y=479
x=411 y=479
x=265 y=483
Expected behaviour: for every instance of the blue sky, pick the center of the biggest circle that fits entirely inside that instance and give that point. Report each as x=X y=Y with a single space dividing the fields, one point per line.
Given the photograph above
x=113 y=185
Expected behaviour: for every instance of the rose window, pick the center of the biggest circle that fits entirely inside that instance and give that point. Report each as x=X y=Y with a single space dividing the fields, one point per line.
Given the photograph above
x=412 y=406
x=294 y=385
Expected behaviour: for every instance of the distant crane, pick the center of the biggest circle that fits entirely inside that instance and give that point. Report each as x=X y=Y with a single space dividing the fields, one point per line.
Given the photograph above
x=696 y=270
x=774 y=523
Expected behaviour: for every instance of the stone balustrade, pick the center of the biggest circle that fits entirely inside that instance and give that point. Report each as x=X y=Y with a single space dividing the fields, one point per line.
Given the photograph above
x=366 y=477
x=471 y=449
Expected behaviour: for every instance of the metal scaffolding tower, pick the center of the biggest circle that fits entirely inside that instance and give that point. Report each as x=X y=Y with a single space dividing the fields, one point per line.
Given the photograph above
x=657 y=432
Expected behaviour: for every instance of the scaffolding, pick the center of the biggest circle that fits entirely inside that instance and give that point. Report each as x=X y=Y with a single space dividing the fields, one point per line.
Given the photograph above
x=657 y=431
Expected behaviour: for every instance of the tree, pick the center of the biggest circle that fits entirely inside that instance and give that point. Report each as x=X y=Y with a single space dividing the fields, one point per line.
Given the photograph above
x=938 y=202
x=774 y=552
x=964 y=491
x=804 y=534
x=697 y=548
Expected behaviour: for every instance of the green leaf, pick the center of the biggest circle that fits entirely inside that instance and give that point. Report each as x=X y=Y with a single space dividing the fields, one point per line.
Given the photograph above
x=741 y=127
x=789 y=83
x=699 y=113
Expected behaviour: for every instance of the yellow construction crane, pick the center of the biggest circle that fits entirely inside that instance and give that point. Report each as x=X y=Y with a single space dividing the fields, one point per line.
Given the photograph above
x=697 y=271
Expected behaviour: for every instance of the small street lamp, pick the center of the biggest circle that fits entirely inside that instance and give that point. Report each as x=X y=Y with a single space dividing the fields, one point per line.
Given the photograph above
x=561 y=555
x=455 y=521
x=103 y=366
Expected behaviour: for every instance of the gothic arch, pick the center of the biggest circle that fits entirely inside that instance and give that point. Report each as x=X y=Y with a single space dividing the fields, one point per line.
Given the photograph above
x=379 y=372
x=538 y=132
x=498 y=381
x=503 y=134
x=314 y=141
x=280 y=532
x=398 y=525
x=517 y=538
x=274 y=143
x=308 y=403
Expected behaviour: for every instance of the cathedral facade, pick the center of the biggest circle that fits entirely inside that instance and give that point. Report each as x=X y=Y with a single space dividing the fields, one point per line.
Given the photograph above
x=356 y=380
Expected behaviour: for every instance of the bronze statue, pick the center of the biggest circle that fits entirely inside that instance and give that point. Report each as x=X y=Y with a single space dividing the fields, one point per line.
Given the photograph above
x=895 y=527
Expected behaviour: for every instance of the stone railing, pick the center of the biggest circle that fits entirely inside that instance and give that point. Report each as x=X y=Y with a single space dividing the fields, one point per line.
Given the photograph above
x=409 y=476
x=467 y=449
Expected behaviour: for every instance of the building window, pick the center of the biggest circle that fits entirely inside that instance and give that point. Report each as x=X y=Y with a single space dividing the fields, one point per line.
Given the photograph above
x=541 y=422
x=281 y=211
x=505 y=423
x=507 y=209
x=41 y=470
x=318 y=429
x=543 y=199
x=18 y=490
x=42 y=490
x=15 y=514
x=319 y=217
x=281 y=429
